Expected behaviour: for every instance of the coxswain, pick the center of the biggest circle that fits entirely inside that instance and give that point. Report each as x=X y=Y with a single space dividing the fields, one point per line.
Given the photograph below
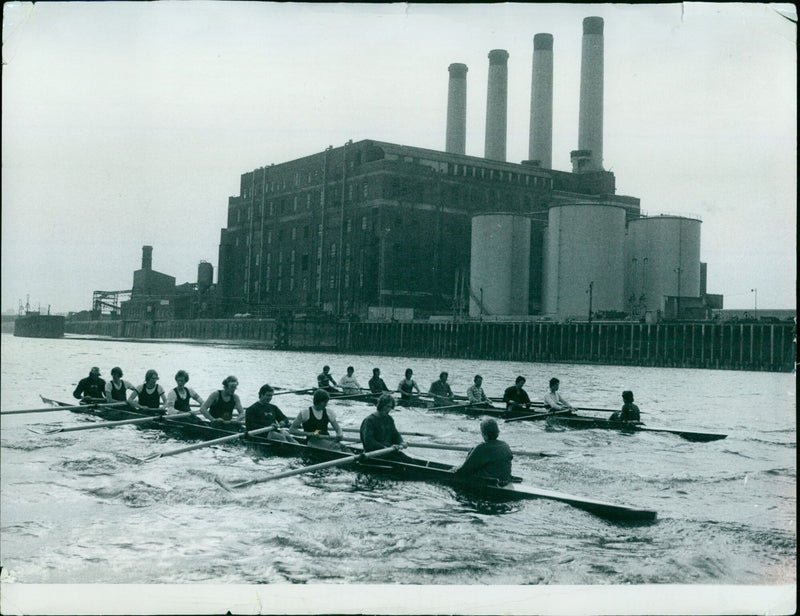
x=178 y=397
x=515 y=397
x=442 y=394
x=149 y=395
x=553 y=400
x=117 y=388
x=489 y=460
x=91 y=388
x=348 y=382
x=263 y=414
x=629 y=411
x=325 y=380
x=407 y=386
x=475 y=394
x=315 y=420
x=376 y=384
x=378 y=430
x=219 y=406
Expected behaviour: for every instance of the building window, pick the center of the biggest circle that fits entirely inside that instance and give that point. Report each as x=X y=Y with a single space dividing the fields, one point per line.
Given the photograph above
x=294 y=204
x=269 y=237
x=332 y=282
x=350 y=192
x=294 y=233
x=363 y=223
x=349 y=225
x=305 y=232
x=333 y=250
x=365 y=189
x=308 y=198
x=258 y=259
x=347 y=279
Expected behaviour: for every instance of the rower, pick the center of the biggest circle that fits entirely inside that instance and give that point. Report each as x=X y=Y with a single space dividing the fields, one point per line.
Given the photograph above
x=178 y=397
x=348 y=382
x=475 y=395
x=378 y=430
x=376 y=384
x=150 y=394
x=442 y=394
x=629 y=411
x=116 y=388
x=219 y=406
x=90 y=388
x=515 y=397
x=553 y=400
x=315 y=419
x=325 y=381
x=263 y=414
x=407 y=387
x=489 y=460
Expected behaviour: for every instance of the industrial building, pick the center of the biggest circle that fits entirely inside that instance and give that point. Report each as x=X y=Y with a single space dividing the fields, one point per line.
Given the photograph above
x=376 y=229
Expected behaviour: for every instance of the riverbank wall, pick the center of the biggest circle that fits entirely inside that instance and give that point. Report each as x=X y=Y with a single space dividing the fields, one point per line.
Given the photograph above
x=729 y=346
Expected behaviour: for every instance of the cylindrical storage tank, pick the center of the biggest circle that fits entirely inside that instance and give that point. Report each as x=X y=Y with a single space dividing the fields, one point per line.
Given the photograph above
x=663 y=259
x=584 y=260
x=499 y=265
x=205 y=275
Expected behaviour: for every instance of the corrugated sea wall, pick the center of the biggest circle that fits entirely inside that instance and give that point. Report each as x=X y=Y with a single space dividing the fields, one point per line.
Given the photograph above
x=734 y=346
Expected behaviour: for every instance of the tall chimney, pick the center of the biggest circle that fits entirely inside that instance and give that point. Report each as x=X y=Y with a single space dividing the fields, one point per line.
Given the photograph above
x=456 y=139
x=147 y=258
x=496 y=105
x=540 y=143
x=590 y=120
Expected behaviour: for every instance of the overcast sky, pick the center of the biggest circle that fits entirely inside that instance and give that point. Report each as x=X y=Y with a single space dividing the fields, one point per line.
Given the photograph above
x=127 y=124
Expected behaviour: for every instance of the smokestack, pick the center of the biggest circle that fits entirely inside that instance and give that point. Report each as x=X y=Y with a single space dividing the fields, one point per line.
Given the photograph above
x=590 y=120
x=540 y=143
x=147 y=257
x=496 y=105
x=456 y=139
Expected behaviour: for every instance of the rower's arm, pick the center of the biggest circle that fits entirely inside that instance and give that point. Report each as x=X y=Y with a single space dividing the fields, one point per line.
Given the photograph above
x=237 y=404
x=205 y=406
x=132 y=398
x=171 y=398
x=335 y=424
x=196 y=397
x=297 y=424
x=109 y=399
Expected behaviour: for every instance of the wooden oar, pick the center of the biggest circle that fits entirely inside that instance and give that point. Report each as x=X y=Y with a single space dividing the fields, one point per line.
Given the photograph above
x=308 y=469
x=108 y=424
x=296 y=391
x=541 y=415
x=75 y=407
x=358 y=431
x=537 y=454
x=358 y=395
x=215 y=441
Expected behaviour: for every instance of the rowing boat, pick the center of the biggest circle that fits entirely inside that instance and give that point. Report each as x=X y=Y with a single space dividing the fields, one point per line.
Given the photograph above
x=417 y=469
x=574 y=421
x=578 y=421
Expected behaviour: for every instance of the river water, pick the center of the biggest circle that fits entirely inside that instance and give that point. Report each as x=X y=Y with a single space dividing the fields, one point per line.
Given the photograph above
x=78 y=508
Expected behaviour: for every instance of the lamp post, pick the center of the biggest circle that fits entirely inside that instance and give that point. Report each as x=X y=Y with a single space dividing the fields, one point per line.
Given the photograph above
x=755 y=303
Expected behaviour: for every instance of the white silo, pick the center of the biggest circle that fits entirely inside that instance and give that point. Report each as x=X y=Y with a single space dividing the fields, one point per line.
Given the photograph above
x=499 y=265
x=584 y=260
x=663 y=259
